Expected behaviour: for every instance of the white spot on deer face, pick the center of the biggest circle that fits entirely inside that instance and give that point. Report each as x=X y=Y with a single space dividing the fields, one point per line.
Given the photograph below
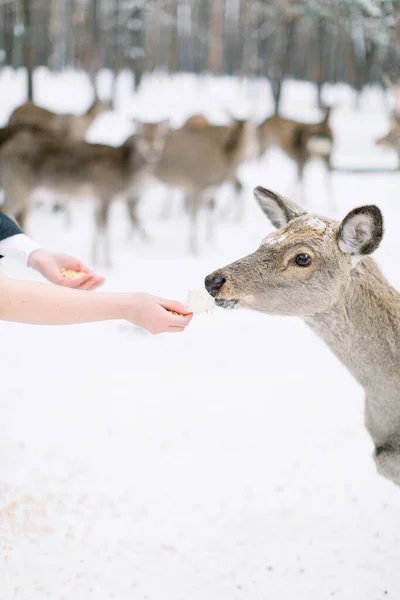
x=273 y=239
x=307 y=224
x=315 y=223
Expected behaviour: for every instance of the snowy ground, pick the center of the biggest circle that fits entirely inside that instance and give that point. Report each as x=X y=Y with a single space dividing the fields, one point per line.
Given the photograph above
x=227 y=463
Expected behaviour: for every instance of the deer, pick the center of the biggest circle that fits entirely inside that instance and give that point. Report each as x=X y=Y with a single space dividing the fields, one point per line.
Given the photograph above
x=198 y=165
x=7 y=132
x=302 y=142
x=72 y=127
x=320 y=270
x=395 y=88
x=221 y=134
x=391 y=139
x=44 y=160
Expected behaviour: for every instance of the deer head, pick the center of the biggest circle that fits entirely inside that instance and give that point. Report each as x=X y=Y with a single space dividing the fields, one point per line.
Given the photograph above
x=303 y=267
x=150 y=139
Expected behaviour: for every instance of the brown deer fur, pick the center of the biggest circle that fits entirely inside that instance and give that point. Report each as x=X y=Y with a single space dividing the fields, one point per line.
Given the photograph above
x=320 y=270
x=29 y=161
x=197 y=164
x=300 y=141
x=72 y=127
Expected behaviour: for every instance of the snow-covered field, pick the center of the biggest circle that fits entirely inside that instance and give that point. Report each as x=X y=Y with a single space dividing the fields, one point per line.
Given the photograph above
x=227 y=463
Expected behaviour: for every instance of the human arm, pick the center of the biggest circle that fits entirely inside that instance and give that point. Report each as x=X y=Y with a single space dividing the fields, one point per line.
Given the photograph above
x=16 y=245
x=40 y=304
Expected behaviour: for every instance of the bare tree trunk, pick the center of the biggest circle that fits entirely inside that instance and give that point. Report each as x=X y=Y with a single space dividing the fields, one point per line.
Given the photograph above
x=286 y=36
x=321 y=62
x=151 y=39
x=215 y=36
x=138 y=15
x=172 y=61
x=94 y=66
x=8 y=24
x=28 y=48
x=115 y=52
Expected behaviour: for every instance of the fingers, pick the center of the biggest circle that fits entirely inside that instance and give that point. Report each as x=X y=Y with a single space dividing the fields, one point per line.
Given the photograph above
x=174 y=305
x=176 y=329
x=77 y=282
x=92 y=283
x=87 y=281
x=179 y=320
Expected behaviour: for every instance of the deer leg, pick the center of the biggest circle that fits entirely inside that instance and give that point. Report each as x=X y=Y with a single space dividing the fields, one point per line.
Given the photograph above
x=16 y=203
x=68 y=215
x=132 y=203
x=20 y=217
x=210 y=218
x=239 y=197
x=193 y=203
x=67 y=210
x=237 y=190
x=166 y=210
x=101 y=236
x=300 y=182
x=388 y=463
x=57 y=207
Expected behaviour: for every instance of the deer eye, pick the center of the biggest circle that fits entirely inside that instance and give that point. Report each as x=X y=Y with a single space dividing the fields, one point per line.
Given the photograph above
x=303 y=260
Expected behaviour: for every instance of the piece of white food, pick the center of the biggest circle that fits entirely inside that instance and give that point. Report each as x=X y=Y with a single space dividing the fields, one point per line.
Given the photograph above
x=199 y=301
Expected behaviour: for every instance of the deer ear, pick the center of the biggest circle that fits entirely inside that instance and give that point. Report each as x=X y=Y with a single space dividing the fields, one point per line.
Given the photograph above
x=279 y=210
x=361 y=231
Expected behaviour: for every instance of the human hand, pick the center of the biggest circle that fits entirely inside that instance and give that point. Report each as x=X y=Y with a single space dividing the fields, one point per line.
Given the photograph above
x=50 y=265
x=156 y=314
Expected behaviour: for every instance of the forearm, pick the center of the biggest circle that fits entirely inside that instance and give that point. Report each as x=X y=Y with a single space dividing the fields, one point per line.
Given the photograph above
x=38 y=303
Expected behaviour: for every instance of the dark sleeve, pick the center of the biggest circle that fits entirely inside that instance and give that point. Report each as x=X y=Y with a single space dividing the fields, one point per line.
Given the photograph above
x=8 y=227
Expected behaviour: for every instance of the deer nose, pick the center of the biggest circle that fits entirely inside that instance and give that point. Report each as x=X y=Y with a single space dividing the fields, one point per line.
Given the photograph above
x=214 y=283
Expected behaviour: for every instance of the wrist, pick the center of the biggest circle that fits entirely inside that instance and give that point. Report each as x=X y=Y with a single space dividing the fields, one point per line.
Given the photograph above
x=115 y=306
x=35 y=258
x=18 y=247
x=127 y=307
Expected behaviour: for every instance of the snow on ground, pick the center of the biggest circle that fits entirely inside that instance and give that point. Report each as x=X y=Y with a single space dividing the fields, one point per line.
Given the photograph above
x=227 y=463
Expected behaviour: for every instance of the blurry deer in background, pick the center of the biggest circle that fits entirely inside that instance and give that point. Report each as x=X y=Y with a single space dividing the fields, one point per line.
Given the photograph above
x=391 y=140
x=198 y=164
x=222 y=136
x=319 y=269
x=71 y=127
x=31 y=160
x=302 y=142
x=395 y=89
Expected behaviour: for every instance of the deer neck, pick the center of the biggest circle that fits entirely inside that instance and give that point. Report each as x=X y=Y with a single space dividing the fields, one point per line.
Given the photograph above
x=363 y=330
x=76 y=125
x=237 y=144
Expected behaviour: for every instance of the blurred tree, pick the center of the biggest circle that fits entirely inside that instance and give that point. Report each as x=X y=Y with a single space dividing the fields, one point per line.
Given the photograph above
x=352 y=41
x=29 y=50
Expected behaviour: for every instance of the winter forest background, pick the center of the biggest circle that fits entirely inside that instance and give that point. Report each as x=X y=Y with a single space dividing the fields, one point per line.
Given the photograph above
x=351 y=41
x=230 y=462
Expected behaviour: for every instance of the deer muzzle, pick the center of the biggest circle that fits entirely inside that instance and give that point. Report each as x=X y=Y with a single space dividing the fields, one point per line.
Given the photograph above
x=214 y=284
